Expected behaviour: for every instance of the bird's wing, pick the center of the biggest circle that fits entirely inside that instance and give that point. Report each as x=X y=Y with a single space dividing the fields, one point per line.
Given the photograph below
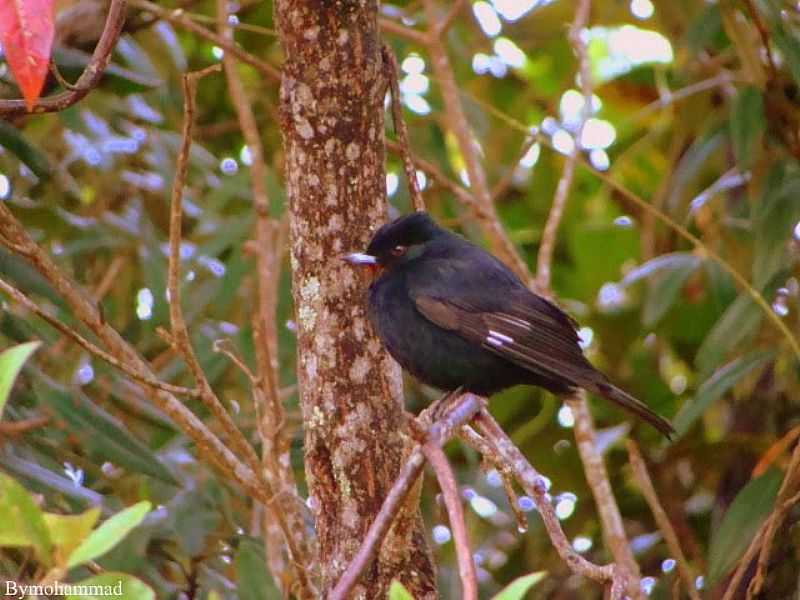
x=493 y=310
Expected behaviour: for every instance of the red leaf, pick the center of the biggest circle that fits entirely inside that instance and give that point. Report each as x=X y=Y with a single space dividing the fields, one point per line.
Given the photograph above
x=26 y=32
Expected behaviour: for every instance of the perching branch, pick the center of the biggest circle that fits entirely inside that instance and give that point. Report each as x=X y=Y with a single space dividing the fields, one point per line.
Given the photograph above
x=437 y=434
x=507 y=454
x=89 y=79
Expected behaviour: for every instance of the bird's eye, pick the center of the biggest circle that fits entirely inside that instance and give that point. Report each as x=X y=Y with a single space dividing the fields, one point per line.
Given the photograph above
x=398 y=250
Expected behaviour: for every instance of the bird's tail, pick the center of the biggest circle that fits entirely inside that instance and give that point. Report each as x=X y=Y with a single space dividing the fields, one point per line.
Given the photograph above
x=631 y=404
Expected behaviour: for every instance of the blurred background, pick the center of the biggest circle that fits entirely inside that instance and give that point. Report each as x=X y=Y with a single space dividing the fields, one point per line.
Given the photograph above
x=694 y=112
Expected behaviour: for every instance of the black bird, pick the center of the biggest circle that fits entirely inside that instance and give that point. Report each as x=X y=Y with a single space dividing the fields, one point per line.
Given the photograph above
x=454 y=316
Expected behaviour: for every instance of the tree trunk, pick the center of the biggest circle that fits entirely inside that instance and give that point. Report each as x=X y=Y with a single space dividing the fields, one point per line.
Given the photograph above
x=351 y=394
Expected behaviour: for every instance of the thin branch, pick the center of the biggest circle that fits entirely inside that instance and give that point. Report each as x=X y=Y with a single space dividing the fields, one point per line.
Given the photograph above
x=400 y=129
x=21 y=298
x=763 y=32
x=645 y=484
x=503 y=184
x=447 y=483
x=441 y=430
x=179 y=18
x=274 y=437
x=210 y=447
x=179 y=330
x=597 y=477
x=787 y=498
x=89 y=79
x=505 y=452
x=459 y=125
x=547 y=245
x=474 y=440
x=448 y=20
x=400 y=30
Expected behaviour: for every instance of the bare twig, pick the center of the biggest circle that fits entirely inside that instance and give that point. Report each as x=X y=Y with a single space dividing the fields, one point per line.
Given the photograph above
x=180 y=332
x=787 y=497
x=763 y=32
x=272 y=418
x=502 y=185
x=457 y=121
x=547 y=245
x=89 y=79
x=447 y=21
x=597 y=477
x=447 y=483
x=400 y=129
x=18 y=296
x=211 y=448
x=441 y=430
x=15 y=428
x=505 y=452
x=179 y=18
x=400 y=30
x=648 y=491
x=473 y=439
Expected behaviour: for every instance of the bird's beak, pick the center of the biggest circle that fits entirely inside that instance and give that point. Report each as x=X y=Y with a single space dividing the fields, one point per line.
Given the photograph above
x=356 y=258
x=364 y=260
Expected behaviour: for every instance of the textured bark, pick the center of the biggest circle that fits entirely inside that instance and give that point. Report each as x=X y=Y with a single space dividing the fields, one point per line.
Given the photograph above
x=333 y=126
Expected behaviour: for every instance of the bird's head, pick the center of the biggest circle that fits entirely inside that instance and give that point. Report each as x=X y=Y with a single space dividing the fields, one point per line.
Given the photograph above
x=397 y=242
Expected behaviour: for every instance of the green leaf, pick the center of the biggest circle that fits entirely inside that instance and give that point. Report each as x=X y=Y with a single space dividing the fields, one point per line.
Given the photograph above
x=112 y=585
x=100 y=431
x=12 y=140
x=517 y=589
x=11 y=361
x=109 y=534
x=667 y=274
x=747 y=124
x=717 y=385
x=397 y=591
x=773 y=220
x=68 y=531
x=23 y=522
x=252 y=579
x=741 y=521
x=738 y=321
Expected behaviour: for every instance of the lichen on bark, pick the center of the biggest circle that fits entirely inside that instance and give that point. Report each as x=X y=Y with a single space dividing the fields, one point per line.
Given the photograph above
x=332 y=96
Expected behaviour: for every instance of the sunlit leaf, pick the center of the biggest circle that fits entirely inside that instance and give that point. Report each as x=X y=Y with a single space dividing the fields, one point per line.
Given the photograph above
x=26 y=32
x=109 y=534
x=113 y=585
x=518 y=588
x=718 y=384
x=397 y=591
x=11 y=361
x=741 y=521
x=23 y=522
x=68 y=531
